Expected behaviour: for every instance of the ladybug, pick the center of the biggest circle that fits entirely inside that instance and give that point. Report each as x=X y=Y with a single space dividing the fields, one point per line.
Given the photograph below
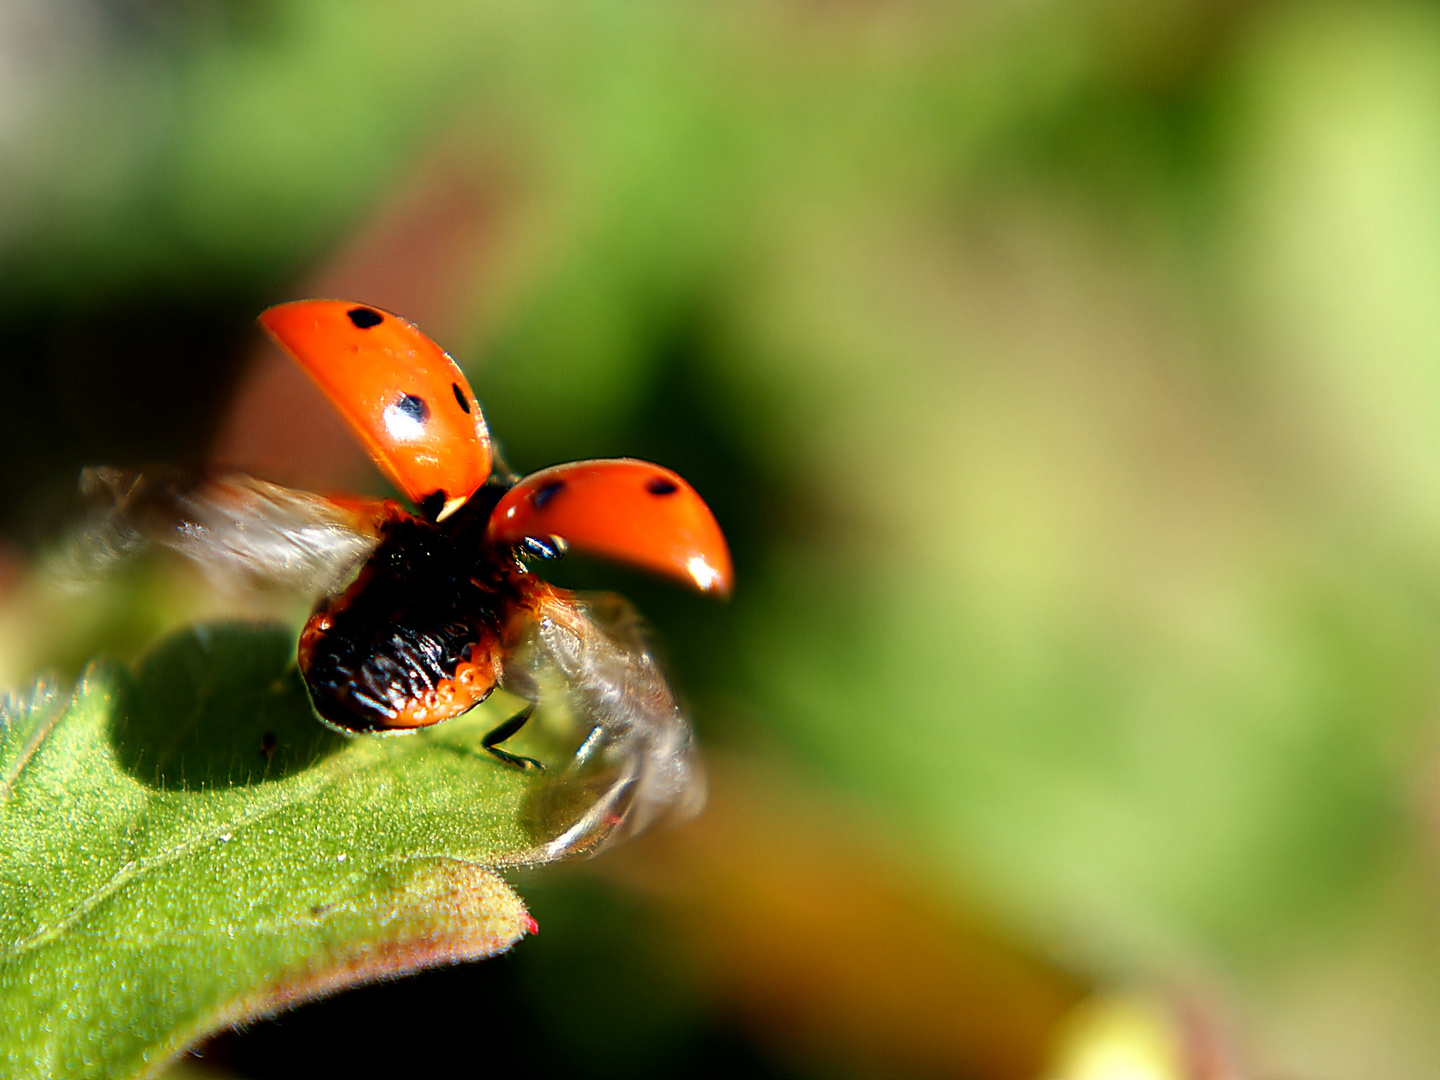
x=420 y=615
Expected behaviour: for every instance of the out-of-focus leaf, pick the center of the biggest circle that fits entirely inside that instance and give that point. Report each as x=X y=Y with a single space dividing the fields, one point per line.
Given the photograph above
x=183 y=847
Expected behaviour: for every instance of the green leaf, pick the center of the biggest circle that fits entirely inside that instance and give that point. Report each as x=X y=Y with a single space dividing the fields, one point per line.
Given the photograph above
x=183 y=847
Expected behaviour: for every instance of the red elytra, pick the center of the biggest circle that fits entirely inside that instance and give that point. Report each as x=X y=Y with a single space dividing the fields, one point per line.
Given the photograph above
x=404 y=397
x=623 y=509
x=386 y=377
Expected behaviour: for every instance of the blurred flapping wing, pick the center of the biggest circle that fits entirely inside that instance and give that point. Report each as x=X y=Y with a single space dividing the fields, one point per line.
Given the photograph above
x=242 y=532
x=588 y=656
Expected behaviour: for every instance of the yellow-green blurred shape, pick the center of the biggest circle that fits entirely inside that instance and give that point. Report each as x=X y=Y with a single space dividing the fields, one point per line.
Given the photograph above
x=1336 y=249
x=1119 y=1038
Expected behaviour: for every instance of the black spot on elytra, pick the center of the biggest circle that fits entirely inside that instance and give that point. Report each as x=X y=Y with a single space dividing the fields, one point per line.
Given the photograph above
x=460 y=396
x=364 y=318
x=545 y=493
x=660 y=486
x=414 y=407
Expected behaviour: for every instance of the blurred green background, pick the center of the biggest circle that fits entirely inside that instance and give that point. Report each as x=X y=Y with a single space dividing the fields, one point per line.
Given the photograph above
x=1066 y=375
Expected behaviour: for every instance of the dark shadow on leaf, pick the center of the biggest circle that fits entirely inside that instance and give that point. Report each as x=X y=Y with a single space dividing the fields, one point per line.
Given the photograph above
x=219 y=705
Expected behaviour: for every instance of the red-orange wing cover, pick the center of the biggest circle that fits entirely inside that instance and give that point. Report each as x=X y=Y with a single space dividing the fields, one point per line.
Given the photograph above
x=402 y=394
x=623 y=509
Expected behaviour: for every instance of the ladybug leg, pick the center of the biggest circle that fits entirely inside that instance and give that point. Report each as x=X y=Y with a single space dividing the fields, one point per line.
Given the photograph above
x=504 y=731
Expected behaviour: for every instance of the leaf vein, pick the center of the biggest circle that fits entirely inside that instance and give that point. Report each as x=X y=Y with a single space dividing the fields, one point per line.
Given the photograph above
x=55 y=709
x=329 y=773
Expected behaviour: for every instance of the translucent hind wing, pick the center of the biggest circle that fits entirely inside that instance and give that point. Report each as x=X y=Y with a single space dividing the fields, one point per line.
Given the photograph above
x=587 y=656
x=242 y=532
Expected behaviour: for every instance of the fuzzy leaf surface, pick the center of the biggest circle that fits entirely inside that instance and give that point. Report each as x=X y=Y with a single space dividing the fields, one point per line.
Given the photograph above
x=183 y=846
